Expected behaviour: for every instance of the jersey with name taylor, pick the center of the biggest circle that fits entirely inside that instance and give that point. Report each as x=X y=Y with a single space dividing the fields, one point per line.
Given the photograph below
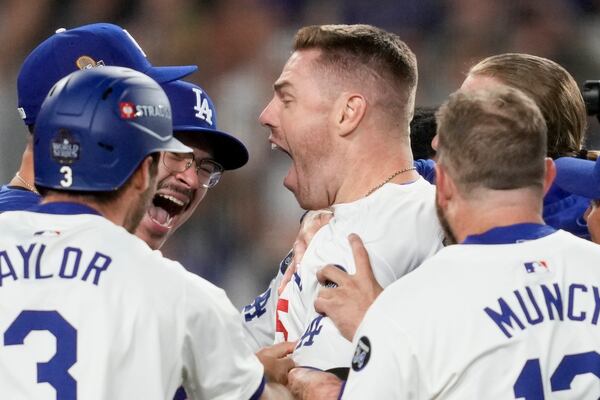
x=487 y=321
x=399 y=228
x=88 y=311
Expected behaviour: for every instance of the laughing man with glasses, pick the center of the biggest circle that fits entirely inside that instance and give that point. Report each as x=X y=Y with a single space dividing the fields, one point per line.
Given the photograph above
x=180 y=187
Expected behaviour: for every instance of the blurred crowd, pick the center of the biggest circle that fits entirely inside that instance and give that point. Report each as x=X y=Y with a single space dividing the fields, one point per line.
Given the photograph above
x=247 y=223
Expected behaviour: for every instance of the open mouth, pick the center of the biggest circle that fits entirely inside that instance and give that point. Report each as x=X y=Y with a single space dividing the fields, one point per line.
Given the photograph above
x=165 y=208
x=279 y=148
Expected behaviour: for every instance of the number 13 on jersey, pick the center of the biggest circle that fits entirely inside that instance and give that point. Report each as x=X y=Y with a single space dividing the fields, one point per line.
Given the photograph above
x=529 y=384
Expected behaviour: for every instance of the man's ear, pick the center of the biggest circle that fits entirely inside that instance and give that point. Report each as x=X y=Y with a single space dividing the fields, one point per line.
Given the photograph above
x=349 y=109
x=549 y=175
x=445 y=188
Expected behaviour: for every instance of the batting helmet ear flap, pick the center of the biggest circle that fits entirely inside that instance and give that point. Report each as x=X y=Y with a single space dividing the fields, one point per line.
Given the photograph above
x=96 y=126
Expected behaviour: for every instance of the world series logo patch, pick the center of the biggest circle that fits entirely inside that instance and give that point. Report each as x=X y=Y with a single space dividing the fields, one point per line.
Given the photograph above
x=362 y=354
x=65 y=148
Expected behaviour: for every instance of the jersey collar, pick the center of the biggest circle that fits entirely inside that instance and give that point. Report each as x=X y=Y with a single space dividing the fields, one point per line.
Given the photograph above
x=511 y=234
x=64 y=208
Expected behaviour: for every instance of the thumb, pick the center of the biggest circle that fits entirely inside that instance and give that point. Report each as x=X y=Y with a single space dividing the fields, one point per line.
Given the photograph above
x=282 y=349
x=361 y=257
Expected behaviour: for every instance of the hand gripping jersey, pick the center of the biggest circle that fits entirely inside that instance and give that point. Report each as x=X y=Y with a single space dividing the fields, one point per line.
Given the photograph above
x=510 y=314
x=399 y=227
x=88 y=311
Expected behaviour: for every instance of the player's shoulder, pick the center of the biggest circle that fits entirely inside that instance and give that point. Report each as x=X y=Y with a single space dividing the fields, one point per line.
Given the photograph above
x=390 y=209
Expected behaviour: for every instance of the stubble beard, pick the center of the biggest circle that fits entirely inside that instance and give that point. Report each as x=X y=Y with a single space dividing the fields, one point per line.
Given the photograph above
x=450 y=238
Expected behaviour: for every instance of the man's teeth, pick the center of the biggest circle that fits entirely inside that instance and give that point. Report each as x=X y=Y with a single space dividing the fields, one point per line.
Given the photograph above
x=274 y=146
x=173 y=199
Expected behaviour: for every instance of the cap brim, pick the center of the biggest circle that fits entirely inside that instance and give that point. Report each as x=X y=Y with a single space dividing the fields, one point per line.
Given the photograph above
x=175 y=146
x=228 y=151
x=169 y=74
x=577 y=176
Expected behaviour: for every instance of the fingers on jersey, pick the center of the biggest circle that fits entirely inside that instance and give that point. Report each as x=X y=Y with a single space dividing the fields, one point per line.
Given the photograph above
x=276 y=362
x=311 y=223
x=347 y=303
x=361 y=257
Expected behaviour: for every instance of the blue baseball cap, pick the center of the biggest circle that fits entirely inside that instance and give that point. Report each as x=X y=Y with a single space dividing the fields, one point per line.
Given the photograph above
x=578 y=176
x=88 y=46
x=194 y=111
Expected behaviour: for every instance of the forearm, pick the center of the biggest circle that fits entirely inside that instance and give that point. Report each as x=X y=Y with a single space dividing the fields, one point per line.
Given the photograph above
x=276 y=391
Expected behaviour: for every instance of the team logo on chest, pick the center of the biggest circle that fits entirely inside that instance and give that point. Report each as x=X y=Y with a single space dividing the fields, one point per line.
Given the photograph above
x=362 y=354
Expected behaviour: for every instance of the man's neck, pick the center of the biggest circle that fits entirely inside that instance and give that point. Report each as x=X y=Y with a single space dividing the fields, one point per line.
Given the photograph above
x=487 y=215
x=110 y=211
x=369 y=172
x=24 y=176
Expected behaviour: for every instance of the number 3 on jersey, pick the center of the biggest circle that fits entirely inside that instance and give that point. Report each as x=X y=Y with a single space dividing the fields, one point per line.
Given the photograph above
x=56 y=371
x=529 y=383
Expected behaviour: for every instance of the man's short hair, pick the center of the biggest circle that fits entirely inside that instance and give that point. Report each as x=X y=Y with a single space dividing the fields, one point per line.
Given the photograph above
x=554 y=91
x=364 y=53
x=492 y=139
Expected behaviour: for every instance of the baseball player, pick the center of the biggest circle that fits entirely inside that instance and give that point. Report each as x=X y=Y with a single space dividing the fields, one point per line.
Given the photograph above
x=194 y=119
x=346 y=132
x=511 y=311
x=181 y=187
x=88 y=310
x=88 y=46
x=557 y=94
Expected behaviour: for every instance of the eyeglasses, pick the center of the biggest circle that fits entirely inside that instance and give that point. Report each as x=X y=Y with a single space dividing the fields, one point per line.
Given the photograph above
x=209 y=172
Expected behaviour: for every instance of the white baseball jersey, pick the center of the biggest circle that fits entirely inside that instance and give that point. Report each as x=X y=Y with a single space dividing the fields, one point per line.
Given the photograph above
x=258 y=317
x=511 y=314
x=399 y=228
x=88 y=311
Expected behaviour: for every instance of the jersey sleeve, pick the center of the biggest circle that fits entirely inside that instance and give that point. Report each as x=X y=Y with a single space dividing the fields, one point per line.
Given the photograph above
x=217 y=361
x=384 y=363
x=322 y=346
x=258 y=317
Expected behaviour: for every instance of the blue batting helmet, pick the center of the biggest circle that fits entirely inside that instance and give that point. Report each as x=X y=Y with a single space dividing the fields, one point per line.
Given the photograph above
x=96 y=126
